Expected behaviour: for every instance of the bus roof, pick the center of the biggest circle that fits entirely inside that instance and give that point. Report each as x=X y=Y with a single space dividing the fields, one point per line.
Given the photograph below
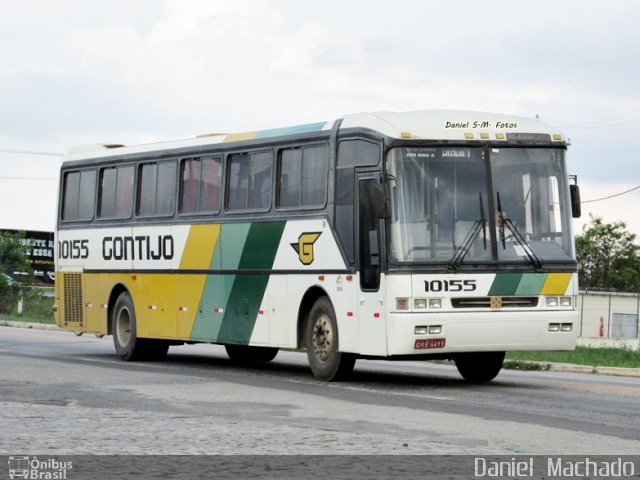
x=416 y=125
x=450 y=125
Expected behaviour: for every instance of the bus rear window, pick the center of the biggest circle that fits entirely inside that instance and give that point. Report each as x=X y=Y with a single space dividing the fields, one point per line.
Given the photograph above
x=79 y=195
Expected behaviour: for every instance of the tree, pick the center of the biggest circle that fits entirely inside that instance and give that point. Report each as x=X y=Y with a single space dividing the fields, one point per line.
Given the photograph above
x=608 y=257
x=13 y=253
x=13 y=258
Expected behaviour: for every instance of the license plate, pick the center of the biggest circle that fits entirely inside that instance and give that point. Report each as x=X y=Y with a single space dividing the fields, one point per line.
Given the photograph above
x=425 y=343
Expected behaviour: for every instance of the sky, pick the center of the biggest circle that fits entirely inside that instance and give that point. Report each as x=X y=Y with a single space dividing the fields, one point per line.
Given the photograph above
x=74 y=72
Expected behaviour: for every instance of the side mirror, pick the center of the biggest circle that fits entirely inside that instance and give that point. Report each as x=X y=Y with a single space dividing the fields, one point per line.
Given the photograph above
x=576 y=209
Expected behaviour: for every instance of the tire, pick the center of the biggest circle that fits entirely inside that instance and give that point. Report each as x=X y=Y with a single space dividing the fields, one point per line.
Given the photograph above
x=479 y=367
x=125 y=339
x=250 y=354
x=322 y=341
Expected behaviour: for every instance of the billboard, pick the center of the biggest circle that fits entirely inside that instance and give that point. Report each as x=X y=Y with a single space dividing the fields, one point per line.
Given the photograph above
x=40 y=253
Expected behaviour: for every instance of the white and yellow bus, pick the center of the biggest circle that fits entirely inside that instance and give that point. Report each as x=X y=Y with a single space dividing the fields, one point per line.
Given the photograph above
x=416 y=235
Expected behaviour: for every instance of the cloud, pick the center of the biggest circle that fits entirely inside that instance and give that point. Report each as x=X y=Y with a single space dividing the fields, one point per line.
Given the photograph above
x=134 y=72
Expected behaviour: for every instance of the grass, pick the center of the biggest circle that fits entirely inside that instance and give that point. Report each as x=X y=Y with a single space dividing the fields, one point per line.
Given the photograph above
x=602 y=357
x=27 y=319
x=37 y=307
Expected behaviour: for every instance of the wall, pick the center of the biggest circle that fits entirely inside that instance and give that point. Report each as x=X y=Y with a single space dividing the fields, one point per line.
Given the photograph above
x=597 y=310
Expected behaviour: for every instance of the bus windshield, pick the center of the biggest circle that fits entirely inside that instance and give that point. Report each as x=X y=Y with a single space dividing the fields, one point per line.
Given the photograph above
x=442 y=211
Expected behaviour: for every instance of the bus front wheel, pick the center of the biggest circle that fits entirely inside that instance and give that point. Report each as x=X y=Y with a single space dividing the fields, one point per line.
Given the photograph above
x=321 y=339
x=479 y=367
x=125 y=339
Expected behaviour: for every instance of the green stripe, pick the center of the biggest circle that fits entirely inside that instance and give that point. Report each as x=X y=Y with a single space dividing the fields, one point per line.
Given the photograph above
x=517 y=284
x=241 y=311
x=531 y=284
x=227 y=255
x=505 y=284
x=276 y=132
x=233 y=237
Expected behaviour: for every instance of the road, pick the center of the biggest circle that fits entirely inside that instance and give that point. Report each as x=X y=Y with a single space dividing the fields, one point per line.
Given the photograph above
x=66 y=395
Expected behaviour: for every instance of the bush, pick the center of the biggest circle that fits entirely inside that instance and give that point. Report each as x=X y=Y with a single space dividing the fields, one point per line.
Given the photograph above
x=37 y=303
x=9 y=294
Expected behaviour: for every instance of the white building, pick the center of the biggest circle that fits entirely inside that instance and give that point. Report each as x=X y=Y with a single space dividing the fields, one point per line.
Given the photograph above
x=610 y=316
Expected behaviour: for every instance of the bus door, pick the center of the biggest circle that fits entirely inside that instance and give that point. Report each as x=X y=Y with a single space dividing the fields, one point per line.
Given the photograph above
x=371 y=208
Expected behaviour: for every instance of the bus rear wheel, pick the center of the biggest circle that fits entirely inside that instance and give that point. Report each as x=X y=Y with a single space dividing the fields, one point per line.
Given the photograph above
x=479 y=367
x=322 y=342
x=125 y=339
x=250 y=354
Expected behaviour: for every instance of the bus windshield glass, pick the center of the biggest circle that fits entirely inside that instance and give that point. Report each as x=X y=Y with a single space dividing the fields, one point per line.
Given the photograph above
x=441 y=205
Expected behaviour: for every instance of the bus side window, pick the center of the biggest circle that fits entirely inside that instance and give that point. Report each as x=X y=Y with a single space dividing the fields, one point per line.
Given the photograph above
x=303 y=177
x=260 y=181
x=190 y=184
x=124 y=192
x=116 y=192
x=200 y=189
x=210 y=184
x=157 y=189
x=290 y=174
x=249 y=183
x=238 y=179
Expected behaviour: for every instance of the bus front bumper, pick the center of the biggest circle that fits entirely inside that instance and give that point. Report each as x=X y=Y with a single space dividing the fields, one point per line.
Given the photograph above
x=435 y=333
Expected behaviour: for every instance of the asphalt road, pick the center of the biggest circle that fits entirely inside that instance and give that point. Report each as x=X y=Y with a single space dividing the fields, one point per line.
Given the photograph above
x=66 y=395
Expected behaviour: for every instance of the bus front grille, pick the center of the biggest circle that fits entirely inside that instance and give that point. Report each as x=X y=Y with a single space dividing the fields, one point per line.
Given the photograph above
x=494 y=302
x=73 y=299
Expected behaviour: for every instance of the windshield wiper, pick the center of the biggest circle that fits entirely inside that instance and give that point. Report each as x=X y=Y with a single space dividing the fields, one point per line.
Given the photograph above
x=506 y=222
x=473 y=232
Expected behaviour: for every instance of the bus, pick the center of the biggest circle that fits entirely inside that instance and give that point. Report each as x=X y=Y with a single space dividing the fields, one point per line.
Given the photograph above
x=403 y=236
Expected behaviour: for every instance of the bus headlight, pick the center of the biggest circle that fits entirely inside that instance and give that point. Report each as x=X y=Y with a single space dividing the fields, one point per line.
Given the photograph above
x=552 y=301
x=435 y=303
x=420 y=303
x=565 y=301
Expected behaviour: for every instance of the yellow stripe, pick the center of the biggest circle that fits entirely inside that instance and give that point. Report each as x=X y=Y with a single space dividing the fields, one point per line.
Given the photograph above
x=197 y=254
x=238 y=137
x=199 y=248
x=556 y=284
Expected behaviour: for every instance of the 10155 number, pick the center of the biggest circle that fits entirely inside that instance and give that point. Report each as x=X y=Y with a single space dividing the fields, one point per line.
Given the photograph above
x=73 y=249
x=449 y=286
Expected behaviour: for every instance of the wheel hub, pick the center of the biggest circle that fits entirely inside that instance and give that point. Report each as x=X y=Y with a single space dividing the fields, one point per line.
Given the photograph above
x=322 y=338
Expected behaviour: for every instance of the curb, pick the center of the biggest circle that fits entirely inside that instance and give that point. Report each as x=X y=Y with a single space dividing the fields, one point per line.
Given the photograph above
x=573 y=368
x=619 y=371
x=34 y=326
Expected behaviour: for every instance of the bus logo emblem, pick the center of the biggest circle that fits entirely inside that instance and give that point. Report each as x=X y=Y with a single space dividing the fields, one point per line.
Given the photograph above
x=496 y=303
x=304 y=247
